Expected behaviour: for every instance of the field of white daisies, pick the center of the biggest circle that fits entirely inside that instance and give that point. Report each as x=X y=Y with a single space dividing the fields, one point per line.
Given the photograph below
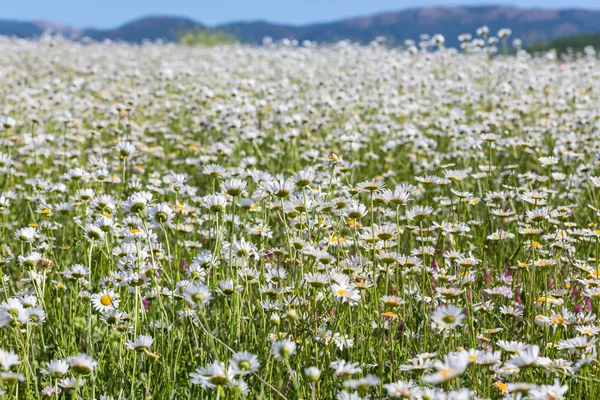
x=298 y=221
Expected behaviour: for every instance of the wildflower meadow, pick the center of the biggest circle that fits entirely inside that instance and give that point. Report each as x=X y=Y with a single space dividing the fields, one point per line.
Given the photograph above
x=299 y=221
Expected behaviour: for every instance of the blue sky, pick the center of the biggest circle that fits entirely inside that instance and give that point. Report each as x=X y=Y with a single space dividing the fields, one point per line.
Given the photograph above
x=110 y=13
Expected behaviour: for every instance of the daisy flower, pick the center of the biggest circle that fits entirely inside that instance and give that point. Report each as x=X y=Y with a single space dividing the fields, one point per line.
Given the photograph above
x=107 y=299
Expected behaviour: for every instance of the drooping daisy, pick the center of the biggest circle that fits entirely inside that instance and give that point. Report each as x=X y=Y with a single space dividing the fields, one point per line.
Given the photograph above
x=234 y=187
x=8 y=359
x=283 y=349
x=82 y=364
x=71 y=383
x=362 y=384
x=26 y=234
x=55 y=368
x=212 y=375
x=313 y=373
x=216 y=203
x=345 y=369
x=418 y=213
x=11 y=377
x=93 y=233
x=577 y=343
x=197 y=295
x=244 y=363
x=161 y=214
x=282 y=188
x=372 y=185
x=125 y=149
x=141 y=343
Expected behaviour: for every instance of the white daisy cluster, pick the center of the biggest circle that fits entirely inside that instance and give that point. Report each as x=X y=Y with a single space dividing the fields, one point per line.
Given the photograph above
x=299 y=221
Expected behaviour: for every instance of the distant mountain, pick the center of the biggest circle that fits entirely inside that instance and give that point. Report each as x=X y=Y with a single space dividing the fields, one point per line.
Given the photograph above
x=530 y=25
x=19 y=29
x=149 y=28
x=25 y=29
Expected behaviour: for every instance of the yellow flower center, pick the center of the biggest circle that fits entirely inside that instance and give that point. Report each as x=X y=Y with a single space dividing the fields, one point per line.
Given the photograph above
x=446 y=373
x=502 y=386
x=105 y=300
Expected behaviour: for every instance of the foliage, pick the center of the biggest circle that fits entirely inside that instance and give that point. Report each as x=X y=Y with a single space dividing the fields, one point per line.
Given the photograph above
x=572 y=43
x=206 y=38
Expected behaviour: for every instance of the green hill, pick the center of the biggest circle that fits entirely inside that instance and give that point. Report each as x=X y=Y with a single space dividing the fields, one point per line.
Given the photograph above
x=576 y=43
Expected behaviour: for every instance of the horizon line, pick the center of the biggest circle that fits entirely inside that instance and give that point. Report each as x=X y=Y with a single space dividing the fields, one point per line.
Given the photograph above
x=317 y=22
